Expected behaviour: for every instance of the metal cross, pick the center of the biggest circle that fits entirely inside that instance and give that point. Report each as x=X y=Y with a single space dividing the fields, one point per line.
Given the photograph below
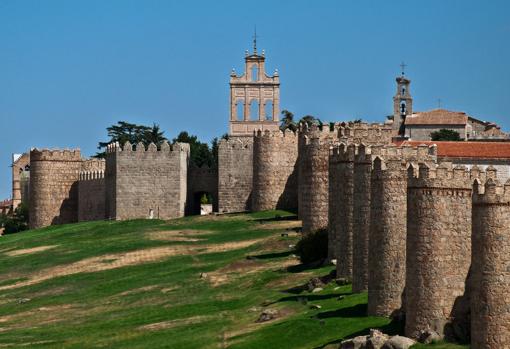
x=403 y=66
x=255 y=41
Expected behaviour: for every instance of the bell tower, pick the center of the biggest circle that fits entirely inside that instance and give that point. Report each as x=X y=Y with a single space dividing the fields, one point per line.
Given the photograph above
x=254 y=97
x=402 y=103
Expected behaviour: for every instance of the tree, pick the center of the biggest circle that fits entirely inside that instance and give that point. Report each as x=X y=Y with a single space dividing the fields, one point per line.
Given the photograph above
x=288 y=121
x=445 y=135
x=200 y=154
x=154 y=135
x=124 y=132
x=17 y=222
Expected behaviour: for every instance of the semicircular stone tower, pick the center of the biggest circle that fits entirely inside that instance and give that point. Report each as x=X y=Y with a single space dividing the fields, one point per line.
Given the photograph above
x=438 y=246
x=490 y=312
x=275 y=171
x=54 y=176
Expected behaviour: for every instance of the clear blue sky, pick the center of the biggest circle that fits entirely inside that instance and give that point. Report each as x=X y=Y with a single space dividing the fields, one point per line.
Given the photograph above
x=69 y=69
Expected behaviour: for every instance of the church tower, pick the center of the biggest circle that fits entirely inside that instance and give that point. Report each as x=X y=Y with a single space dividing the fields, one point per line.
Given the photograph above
x=402 y=104
x=254 y=97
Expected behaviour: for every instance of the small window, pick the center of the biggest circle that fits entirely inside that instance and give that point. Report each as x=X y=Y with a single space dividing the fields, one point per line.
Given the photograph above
x=254 y=73
x=269 y=110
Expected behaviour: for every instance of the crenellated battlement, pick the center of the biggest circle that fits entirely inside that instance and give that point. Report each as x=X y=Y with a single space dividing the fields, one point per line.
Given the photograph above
x=442 y=176
x=140 y=148
x=492 y=192
x=55 y=155
x=237 y=143
x=93 y=165
x=91 y=175
x=267 y=134
x=343 y=153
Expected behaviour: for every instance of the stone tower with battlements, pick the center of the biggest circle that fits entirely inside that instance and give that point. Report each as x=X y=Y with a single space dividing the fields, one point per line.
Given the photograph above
x=438 y=254
x=54 y=176
x=146 y=183
x=254 y=97
x=490 y=314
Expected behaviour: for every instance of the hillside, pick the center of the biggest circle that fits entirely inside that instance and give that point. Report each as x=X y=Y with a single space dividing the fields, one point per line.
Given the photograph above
x=196 y=282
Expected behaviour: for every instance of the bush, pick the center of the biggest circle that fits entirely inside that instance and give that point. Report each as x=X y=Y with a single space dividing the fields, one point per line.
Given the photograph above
x=313 y=247
x=18 y=222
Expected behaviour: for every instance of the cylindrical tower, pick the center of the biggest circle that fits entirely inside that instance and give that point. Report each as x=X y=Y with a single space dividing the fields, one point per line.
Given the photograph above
x=54 y=176
x=275 y=171
x=342 y=161
x=490 y=312
x=438 y=245
x=387 y=245
x=361 y=218
x=314 y=190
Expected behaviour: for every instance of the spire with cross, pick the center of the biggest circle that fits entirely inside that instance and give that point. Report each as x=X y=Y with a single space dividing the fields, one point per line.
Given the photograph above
x=403 y=66
x=255 y=41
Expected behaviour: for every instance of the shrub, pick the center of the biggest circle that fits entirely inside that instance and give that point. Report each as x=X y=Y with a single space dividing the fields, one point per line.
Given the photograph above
x=18 y=222
x=313 y=247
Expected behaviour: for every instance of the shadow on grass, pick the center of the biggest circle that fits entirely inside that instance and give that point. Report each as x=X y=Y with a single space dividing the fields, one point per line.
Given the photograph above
x=276 y=219
x=272 y=255
x=392 y=329
x=311 y=297
x=358 y=310
x=304 y=267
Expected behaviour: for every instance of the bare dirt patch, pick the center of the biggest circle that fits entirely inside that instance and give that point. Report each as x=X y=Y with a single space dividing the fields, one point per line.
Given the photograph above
x=119 y=260
x=38 y=316
x=243 y=267
x=177 y=235
x=29 y=250
x=280 y=225
x=163 y=325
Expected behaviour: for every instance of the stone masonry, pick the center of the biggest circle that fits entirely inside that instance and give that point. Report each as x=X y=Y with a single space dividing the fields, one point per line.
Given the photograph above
x=341 y=199
x=490 y=312
x=388 y=224
x=92 y=196
x=54 y=178
x=360 y=229
x=146 y=183
x=275 y=170
x=438 y=245
x=235 y=174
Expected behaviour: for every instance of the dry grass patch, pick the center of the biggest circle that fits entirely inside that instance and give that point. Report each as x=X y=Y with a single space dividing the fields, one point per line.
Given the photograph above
x=24 y=251
x=185 y=235
x=163 y=325
x=119 y=260
x=280 y=225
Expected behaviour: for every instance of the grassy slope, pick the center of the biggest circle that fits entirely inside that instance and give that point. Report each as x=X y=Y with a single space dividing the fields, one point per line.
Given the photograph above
x=165 y=303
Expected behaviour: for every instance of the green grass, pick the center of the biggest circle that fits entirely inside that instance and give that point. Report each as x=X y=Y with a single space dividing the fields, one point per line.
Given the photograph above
x=164 y=302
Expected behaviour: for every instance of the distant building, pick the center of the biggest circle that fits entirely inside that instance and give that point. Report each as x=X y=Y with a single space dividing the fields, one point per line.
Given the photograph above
x=5 y=206
x=20 y=178
x=419 y=126
x=469 y=154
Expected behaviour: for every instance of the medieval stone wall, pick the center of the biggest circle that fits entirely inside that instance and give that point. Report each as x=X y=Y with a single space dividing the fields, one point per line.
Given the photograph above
x=146 y=183
x=361 y=219
x=342 y=207
x=438 y=245
x=53 y=187
x=314 y=185
x=275 y=171
x=388 y=224
x=235 y=174
x=92 y=196
x=490 y=313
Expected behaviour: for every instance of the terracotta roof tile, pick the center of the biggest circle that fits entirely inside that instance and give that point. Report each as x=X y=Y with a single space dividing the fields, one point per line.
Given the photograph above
x=480 y=150
x=437 y=117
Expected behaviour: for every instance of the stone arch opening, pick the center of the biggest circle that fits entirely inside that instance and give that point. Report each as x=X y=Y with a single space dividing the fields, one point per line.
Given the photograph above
x=202 y=203
x=268 y=109
x=254 y=109
x=239 y=109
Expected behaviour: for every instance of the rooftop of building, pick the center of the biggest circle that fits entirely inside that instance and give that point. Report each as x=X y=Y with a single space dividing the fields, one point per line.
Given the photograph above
x=462 y=149
x=437 y=117
x=5 y=203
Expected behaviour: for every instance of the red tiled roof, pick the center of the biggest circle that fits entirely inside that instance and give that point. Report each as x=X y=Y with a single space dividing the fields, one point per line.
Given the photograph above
x=6 y=203
x=480 y=150
x=437 y=117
